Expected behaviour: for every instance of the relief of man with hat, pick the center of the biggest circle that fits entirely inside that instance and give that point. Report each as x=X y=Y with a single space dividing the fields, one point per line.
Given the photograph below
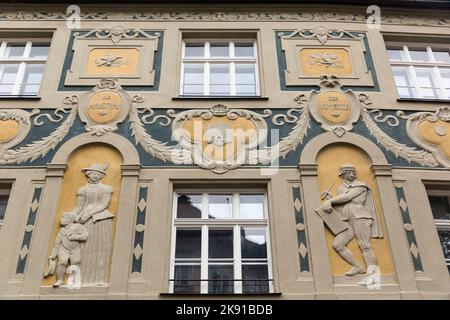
x=355 y=205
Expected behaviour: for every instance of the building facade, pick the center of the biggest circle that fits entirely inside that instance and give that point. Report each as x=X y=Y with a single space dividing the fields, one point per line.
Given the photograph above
x=169 y=151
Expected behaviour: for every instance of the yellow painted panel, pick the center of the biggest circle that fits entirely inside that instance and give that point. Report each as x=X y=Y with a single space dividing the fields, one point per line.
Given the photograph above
x=329 y=160
x=113 y=62
x=236 y=133
x=320 y=61
x=334 y=106
x=8 y=130
x=74 y=179
x=104 y=106
x=436 y=133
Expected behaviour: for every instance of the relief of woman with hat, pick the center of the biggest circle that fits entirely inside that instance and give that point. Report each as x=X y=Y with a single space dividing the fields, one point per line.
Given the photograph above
x=92 y=210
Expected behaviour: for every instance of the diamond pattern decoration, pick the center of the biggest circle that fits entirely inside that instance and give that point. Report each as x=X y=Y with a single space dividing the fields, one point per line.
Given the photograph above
x=414 y=250
x=137 y=251
x=34 y=205
x=297 y=204
x=140 y=228
x=142 y=204
x=302 y=250
x=300 y=226
x=408 y=227
x=23 y=252
x=403 y=204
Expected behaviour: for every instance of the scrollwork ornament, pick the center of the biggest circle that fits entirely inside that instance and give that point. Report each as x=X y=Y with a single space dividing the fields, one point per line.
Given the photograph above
x=430 y=131
x=150 y=145
x=410 y=154
x=391 y=120
x=307 y=16
x=15 y=126
x=57 y=116
x=116 y=34
x=40 y=148
x=321 y=33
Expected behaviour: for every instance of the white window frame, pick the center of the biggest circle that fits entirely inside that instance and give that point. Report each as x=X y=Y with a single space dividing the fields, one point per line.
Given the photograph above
x=412 y=65
x=441 y=224
x=235 y=223
x=231 y=60
x=22 y=62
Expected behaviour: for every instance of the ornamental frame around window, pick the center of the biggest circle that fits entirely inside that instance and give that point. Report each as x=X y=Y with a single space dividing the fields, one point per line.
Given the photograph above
x=412 y=65
x=22 y=62
x=206 y=60
x=205 y=223
x=441 y=224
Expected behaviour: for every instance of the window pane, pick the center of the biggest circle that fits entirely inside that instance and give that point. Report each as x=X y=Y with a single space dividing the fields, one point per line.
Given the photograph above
x=255 y=279
x=440 y=206
x=426 y=82
x=3 y=204
x=253 y=243
x=219 y=79
x=193 y=74
x=396 y=54
x=243 y=49
x=33 y=73
x=220 y=49
x=39 y=51
x=441 y=56
x=6 y=89
x=15 y=50
x=194 y=50
x=187 y=279
x=189 y=206
x=220 y=206
x=444 y=237
x=5 y=190
x=445 y=75
x=193 y=79
x=251 y=206
x=419 y=55
x=425 y=77
x=8 y=73
x=405 y=92
x=188 y=243
x=29 y=89
x=401 y=76
x=220 y=243
x=220 y=74
x=403 y=82
x=220 y=279
x=245 y=73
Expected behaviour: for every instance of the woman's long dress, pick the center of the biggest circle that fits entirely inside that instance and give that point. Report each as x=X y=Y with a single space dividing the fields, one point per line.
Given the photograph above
x=96 y=251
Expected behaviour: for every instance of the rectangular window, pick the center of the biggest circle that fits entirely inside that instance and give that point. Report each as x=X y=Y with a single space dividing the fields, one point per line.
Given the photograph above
x=219 y=68
x=22 y=67
x=220 y=242
x=440 y=206
x=5 y=190
x=421 y=71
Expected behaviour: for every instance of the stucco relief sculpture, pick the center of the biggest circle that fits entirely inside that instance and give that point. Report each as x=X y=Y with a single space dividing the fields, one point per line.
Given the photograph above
x=430 y=131
x=67 y=250
x=354 y=204
x=92 y=214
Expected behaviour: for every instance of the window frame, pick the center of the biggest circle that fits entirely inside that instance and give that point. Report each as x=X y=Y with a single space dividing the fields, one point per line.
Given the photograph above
x=412 y=66
x=231 y=61
x=5 y=190
x=205 y=224
x=441 y=224
x=23 y=61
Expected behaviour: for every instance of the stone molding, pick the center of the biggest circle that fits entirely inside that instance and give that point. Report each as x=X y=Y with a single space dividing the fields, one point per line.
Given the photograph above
x=228 y=16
